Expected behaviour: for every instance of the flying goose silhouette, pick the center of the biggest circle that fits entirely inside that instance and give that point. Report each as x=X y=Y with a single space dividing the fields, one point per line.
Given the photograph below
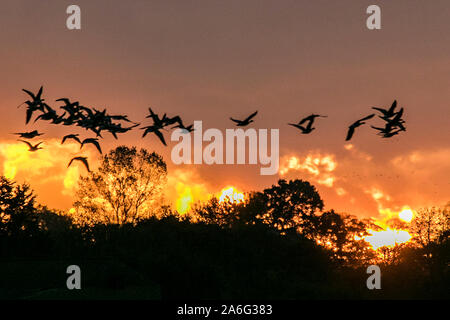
x=121 y=118
x=93 y=141
x=31 y=147
x=393 y=121
x=383 y=131
x=37 y=100
x=114 y=129
x=391 y=133
x=37 y=103
x=154 y=129
x=186 y=128
x=181 y=124
x=71 y=136
x=387 y=131
x=68 y=104
x=48 y=114
x=356 y=124
x=311 y=118
x=387 y=113
x=82 y=159
x=29 y=135
x=309 y=127
x=397 y=120
x=246 y=121
x=173 y=120
x=156 y=120
x=304 y=130
x=161 y=123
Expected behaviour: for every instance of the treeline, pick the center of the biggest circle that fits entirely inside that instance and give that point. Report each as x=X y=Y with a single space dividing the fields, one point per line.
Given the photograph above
x=287 y=249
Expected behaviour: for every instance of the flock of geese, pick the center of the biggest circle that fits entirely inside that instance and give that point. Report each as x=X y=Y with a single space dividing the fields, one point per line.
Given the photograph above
x=99 y=122
x=393 y=122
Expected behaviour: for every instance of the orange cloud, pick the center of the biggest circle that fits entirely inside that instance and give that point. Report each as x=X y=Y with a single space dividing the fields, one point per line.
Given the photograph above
x=341 y=191
x=423 y=162
x=43 y=168
x=315 y=166
x=357 y=153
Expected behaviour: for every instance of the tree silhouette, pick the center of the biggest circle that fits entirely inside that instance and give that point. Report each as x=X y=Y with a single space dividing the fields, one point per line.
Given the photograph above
x=128 y=186
x=430 y=226
x=287 y=207
x=17 y=209
x=342 y=235
x=235 y=254
x=431 y=229
x=224 y=214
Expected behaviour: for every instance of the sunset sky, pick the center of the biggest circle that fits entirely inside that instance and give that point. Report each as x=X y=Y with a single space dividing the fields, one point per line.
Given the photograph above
x=209 y=60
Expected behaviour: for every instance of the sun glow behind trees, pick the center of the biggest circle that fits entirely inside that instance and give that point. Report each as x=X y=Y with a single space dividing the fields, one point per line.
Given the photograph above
x=406 y=215
x=390 y=236
x=320 y=169
x=45 y=166
x=51 y=162
x=231 y=194
x=186 y=197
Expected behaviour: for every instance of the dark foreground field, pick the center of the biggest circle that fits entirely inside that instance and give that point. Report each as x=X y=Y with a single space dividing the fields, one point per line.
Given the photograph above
x=169 y=259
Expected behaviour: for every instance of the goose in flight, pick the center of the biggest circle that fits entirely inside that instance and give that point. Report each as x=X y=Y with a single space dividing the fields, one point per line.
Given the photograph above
x=68 y=104
x=83 y=160
x=311 y=118
x=186 y=128
x=393 y=121
x=383 y=131
x=29 y=135
x=387 y=113
x=37 y=103
x=48 y=114
x=246 y=121
x=387 y=131
x=309 y=127
x=356 y=124
x=173 y=120
x=182 y=126
x=391 y=133
x=156 y=120
x=305 y=130
x=154 y=129
x=37 y=100
x=120 y=118
x=397 y=118
x=396 y=122
x=158 y=124
x=114 y=129
x=93 y=141
x=71 y=136
x=31 y=147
